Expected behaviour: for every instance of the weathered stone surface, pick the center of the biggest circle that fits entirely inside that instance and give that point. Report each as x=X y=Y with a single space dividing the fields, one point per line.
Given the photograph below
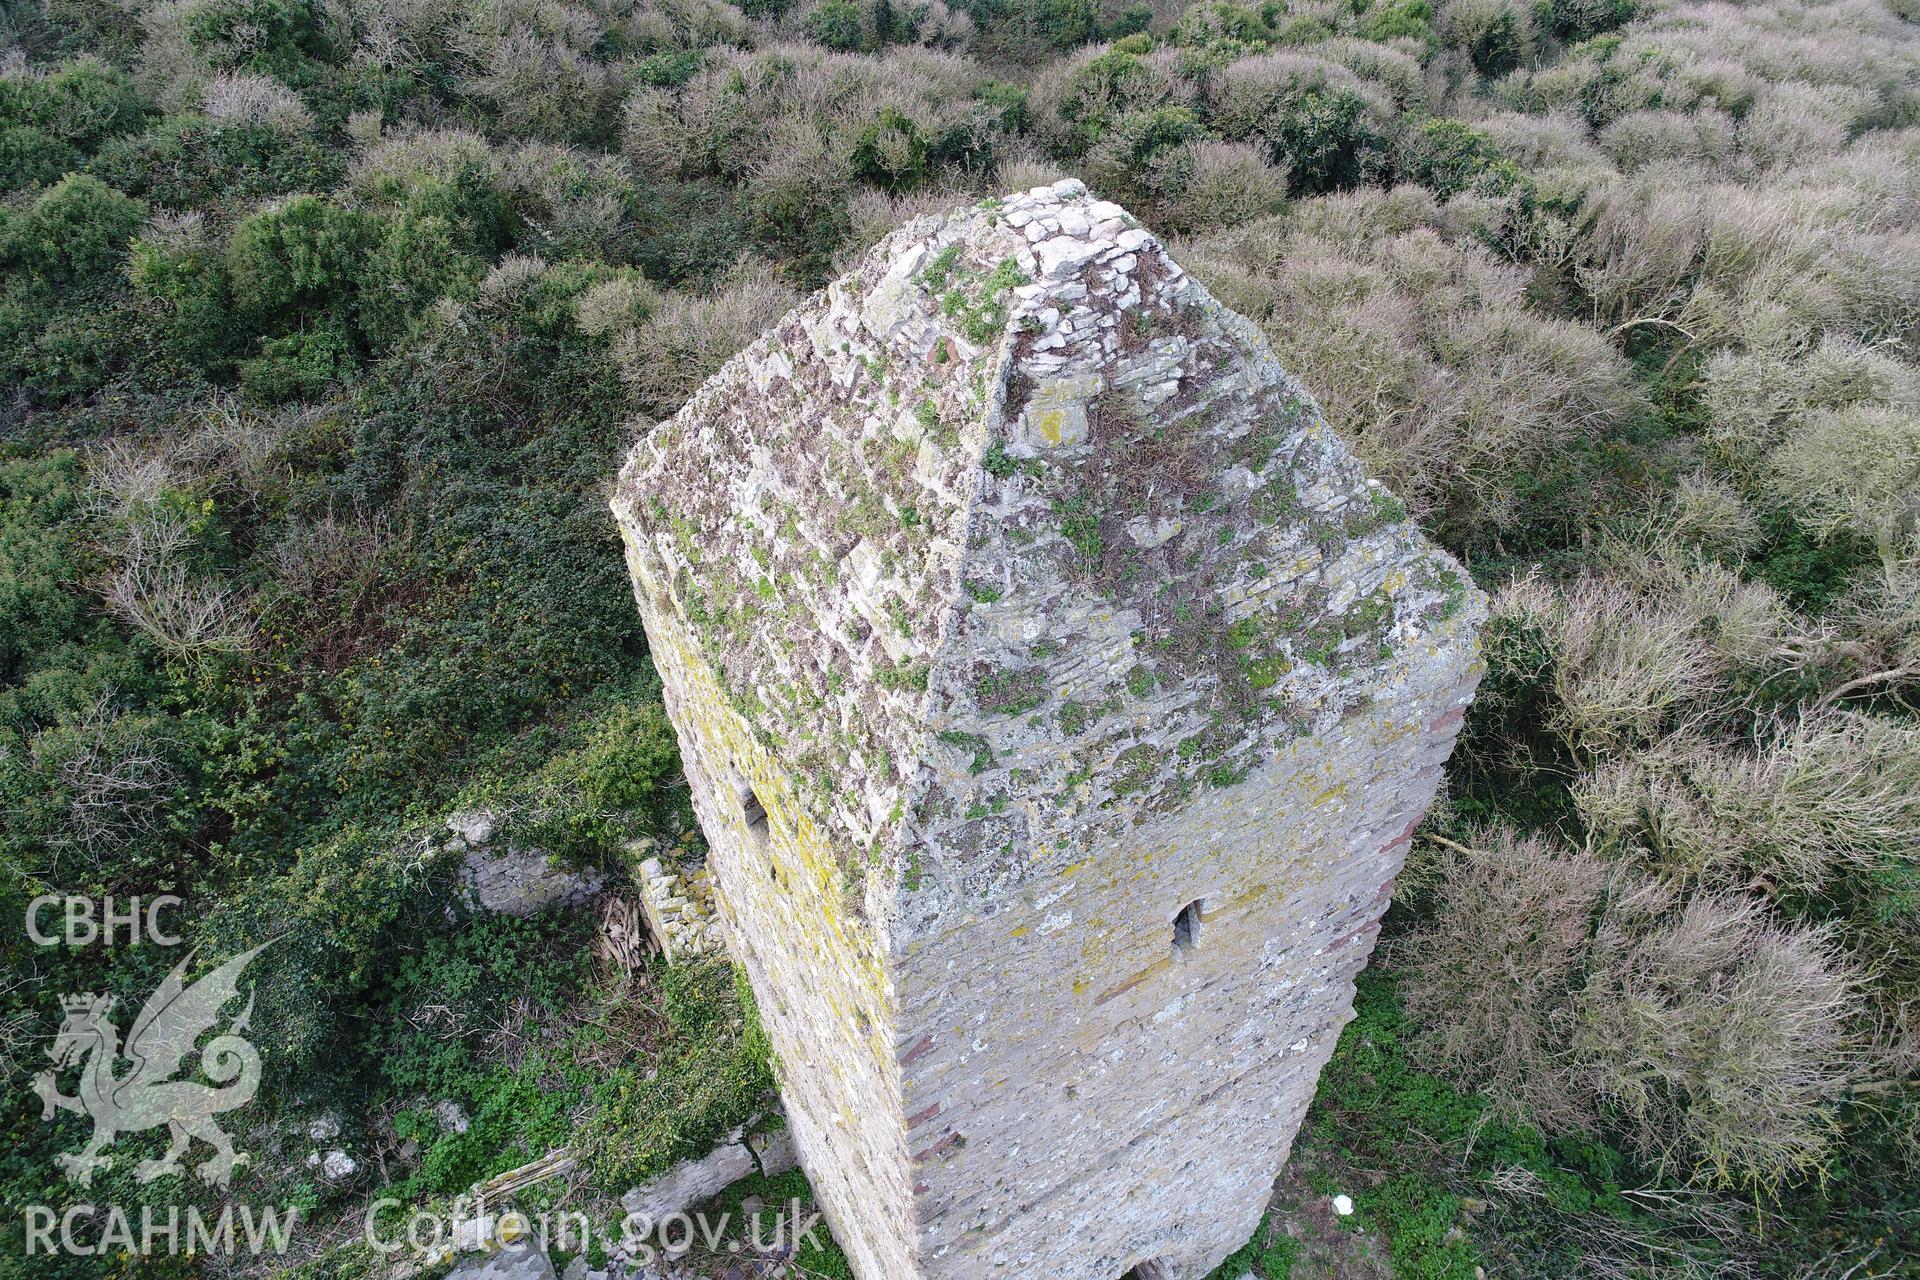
x=775 y=1151
x=1058 y=699
x=521 y=1260
x=677 y=902
x=512 y=879
x=689 y=1182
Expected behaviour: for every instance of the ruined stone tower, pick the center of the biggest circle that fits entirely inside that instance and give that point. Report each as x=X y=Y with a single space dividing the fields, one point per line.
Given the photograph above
x=1058 y=700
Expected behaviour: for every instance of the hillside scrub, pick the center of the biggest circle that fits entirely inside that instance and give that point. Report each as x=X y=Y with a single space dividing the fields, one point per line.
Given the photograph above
x=323 y=326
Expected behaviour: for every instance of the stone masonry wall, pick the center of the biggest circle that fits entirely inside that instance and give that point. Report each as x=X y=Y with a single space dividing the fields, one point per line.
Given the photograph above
x=1095 y=1097
x=816 y=969
x=677 y=903
x=1058 y=698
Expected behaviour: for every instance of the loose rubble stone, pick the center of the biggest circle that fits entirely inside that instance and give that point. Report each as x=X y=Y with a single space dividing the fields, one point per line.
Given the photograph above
x=451 y=1116
x=521 y=1260
x=1058 y=699
x=334 y=1166
x=689 y=1183
x=775 y=1151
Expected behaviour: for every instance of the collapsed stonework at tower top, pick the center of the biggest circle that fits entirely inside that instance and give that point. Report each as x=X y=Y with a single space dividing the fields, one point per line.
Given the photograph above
x=1013 y=537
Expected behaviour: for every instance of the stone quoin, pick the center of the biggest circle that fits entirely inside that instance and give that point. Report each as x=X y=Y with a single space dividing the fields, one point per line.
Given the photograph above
x=1058 y=700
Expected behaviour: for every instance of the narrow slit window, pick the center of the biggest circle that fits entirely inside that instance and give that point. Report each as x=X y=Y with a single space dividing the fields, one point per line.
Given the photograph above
x=752 y=812
x=1186 y=927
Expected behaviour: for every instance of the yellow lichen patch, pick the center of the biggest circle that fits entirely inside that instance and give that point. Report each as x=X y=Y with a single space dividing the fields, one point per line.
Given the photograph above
x=1245 y=898
x=796 y=845
x=1336 y=792
x=1157 y=967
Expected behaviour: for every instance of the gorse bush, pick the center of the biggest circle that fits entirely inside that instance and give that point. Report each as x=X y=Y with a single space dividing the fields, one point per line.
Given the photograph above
x=74 y=236
x=80 y=104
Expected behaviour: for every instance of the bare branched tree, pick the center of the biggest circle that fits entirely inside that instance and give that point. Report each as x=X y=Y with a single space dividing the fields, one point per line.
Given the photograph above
x=150 y=589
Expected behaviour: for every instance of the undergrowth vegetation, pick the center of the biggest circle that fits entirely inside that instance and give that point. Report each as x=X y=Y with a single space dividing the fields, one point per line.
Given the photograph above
x=324 y=323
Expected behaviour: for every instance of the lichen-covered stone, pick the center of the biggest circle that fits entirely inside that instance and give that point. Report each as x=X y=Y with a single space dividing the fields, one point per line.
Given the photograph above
x=677 y=903
x=1058 y=698
x=521 y=1260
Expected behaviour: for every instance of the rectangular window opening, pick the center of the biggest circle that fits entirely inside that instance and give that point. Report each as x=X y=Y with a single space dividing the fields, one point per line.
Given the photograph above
x=1186 y=927
x=752 y=812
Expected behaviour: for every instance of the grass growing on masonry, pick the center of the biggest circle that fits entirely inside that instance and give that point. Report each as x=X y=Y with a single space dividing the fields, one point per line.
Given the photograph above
x=1011 y=692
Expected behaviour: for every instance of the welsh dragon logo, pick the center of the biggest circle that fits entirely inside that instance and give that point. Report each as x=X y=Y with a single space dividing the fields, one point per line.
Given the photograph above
x=147 y=1096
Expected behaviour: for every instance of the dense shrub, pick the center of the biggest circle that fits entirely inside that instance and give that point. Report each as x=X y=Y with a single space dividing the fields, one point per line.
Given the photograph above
x=1625 y=664
x=1576 y=20
x=74 y=236
x=56 y=654
x=666 y=347
x=191 y=161
x=81 y=103
x=837 y=24
x=1033 y=27
x=541 y=76
x=31 y=157
x=1526 y=909
x=1855 y=470
x=1714 y=1038
x=891 y=152
x=271 y=37
x=1496 y=35
x=295 y=261
x=1423 y=353
x=257 y=100
x=1076 y=101
x=1145 y=155
x=1823 y=800
x=176 y=269
x=1205 y=185
x=1450 y=156
x=1311 y=115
